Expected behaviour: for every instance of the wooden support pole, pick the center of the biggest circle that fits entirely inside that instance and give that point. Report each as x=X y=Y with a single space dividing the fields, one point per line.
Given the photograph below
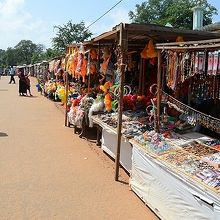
x=157 y=128
x=143 y=92
x=67 y=89
x=120 y=109
x=140 y=77
x=123 y=45
x=89 y=64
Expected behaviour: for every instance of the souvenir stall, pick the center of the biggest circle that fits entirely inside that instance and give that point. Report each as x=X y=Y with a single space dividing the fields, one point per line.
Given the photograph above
x=79 y=94
x=137 y=81
x=21 y=67
x=29 y=69
x=36 y=69
x=53 y=79
x=39 y=71
x=176 y=169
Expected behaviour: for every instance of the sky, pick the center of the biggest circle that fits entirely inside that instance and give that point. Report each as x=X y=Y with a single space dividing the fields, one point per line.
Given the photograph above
x=35 y=19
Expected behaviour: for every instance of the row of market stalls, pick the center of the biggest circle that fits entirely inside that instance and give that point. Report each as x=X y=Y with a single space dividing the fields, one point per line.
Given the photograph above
x=153 y=94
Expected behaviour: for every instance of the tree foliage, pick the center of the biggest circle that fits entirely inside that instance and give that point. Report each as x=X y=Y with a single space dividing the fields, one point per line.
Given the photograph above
x=2 y=58
x=68 y=34
x=10 y=57
x=25 y=52
x=176 y=12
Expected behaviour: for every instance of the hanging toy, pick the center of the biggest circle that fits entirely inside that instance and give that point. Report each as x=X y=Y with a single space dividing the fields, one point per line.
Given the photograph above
x=128 y=104
x=108 y=102
x=115 y=105
x=81 y=53
x=73 y=61
x=79 y=65
x=106 y=58
x=84 y=69
x=98 y=105
x=105 y=87
x=149 y=51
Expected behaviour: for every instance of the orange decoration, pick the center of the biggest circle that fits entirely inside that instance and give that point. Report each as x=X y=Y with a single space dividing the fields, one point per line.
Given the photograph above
x=149 y=51
x=108 y=102
x=84 y=69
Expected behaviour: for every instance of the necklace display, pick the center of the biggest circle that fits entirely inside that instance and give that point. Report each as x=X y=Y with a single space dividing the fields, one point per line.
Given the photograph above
x=201 y=67
x=193 y=116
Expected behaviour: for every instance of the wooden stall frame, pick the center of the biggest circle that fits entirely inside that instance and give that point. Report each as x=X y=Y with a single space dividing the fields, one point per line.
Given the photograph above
x=66 y=90
x=123 y=46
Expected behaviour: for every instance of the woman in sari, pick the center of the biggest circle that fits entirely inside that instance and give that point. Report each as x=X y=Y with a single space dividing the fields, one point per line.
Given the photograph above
x=22 y=83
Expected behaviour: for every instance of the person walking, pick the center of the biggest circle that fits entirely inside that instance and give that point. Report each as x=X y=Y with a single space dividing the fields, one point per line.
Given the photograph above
x=12 y=74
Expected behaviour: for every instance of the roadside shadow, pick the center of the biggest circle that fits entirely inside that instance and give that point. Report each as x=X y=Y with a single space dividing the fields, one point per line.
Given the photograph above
x=2 y=134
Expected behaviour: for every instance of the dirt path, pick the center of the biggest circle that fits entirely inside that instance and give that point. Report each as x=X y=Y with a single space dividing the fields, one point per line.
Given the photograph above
x=47 y=172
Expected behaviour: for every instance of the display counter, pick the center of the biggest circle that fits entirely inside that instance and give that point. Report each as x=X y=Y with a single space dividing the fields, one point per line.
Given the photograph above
x=164 y=171
x=171 y=193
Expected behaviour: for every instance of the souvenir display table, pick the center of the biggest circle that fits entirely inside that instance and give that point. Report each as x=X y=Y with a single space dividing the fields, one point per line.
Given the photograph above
x=108 y=143
x=132 y=125
x=175 y=179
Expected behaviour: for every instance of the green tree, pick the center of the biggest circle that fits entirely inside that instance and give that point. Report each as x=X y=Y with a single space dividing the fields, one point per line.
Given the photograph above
x=51 y=53
x=26 y=49
x=176 y=12
x=46 y=55
x=11 y=57
x=68 y=34
x=2 y=58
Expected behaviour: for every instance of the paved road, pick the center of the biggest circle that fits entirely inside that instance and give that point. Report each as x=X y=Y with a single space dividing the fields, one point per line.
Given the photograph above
x=47 y=172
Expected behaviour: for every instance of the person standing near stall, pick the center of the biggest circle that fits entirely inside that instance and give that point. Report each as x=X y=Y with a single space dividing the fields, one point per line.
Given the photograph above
x=28 y=83
x=22 y=83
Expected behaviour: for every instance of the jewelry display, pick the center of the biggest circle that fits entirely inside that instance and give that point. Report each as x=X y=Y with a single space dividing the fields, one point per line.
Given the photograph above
x=193 y=116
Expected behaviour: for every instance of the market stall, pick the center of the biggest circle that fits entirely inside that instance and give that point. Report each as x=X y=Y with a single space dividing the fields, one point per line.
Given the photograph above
x=125 y=65
x=51 y=79
x=178 y=168
x=139 y=57
x=81 y=68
